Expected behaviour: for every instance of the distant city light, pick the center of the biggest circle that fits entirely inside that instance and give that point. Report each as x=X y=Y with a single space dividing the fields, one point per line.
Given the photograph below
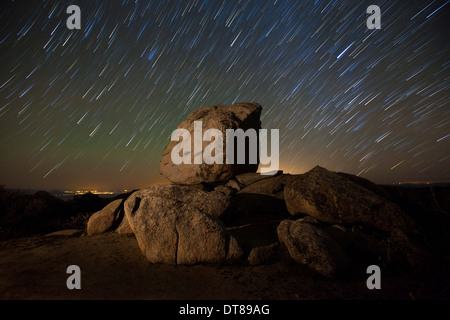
x=81 y=192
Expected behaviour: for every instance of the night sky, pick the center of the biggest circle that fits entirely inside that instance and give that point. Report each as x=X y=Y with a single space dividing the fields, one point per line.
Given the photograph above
x=94 y=108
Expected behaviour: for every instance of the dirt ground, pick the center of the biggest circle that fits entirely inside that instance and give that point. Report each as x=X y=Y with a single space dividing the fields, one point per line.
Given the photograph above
x=112 y=267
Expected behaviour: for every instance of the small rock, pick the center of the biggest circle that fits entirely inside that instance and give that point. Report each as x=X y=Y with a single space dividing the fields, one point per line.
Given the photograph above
x=234 y=184
x=263 y=254
x=103 y=220
x=226 y=190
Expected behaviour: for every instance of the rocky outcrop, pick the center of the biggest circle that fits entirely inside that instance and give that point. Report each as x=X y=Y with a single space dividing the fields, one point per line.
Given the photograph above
x=311 y=246
x=175 y=232
x=338 y=218
x=334 y=199
x=237 y=116
x=216 y=213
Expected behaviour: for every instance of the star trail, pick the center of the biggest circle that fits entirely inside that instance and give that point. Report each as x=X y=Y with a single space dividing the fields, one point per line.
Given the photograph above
x=95 y=107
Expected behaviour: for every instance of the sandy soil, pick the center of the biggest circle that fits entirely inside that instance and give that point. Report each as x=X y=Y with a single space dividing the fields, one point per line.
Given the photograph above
x=112 y=267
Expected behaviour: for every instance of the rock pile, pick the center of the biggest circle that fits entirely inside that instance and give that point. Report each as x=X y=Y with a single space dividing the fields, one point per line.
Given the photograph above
x=229 y=213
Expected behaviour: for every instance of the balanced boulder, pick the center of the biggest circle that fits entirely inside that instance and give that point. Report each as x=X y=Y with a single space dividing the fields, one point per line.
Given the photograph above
x=237 y=116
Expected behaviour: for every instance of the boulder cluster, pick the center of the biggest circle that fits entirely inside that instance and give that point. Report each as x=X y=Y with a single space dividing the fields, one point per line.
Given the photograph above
x=231 y=214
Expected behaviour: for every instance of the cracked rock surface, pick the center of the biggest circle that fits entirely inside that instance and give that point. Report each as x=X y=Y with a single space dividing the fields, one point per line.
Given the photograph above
x=176 y=232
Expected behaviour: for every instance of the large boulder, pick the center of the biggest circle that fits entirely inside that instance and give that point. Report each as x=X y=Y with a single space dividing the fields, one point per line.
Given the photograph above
x=172 y=231
x=237 y=116
x=213 y=203
x=334 y=199
x=310 y=245
x=105 y=219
